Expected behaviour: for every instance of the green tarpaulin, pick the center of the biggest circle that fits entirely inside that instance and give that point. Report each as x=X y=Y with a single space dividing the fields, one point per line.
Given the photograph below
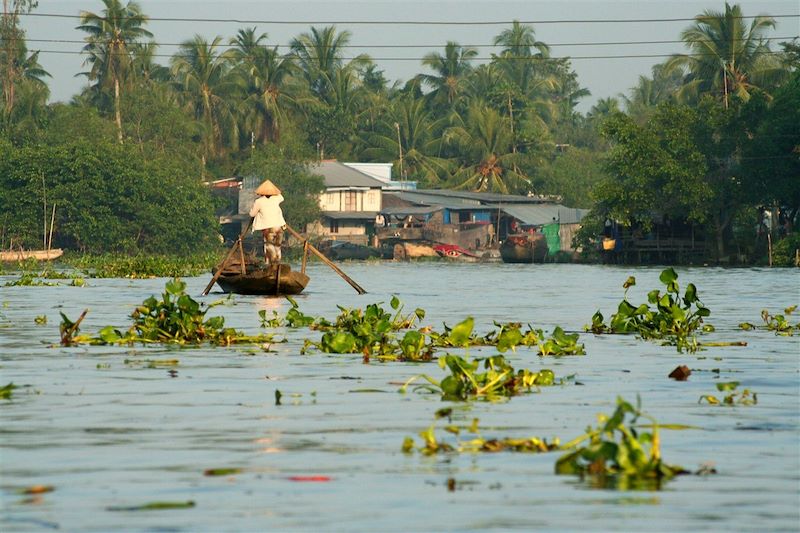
x=550 y=232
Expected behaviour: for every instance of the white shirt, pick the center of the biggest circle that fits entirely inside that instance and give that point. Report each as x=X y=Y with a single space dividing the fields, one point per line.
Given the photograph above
x=267 y=212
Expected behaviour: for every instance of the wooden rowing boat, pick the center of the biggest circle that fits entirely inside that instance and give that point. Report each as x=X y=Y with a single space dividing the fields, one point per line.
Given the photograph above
x=270 y=280
x=39 y=255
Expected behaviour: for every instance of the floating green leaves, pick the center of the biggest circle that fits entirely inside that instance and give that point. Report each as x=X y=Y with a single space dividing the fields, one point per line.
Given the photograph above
x=175 y=318
x=778 y=323
x=155 y=506
x=431 y=445
x=28 y=279
x=374 y=333
x=617 y=455
x=674 y=319
x=498 y=380
x=7 y=391
x=734 y=396
x=212 y=472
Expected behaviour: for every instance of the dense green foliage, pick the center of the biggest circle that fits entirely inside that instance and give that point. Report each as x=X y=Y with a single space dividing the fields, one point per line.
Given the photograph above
x=107 y=198
x=706 y=141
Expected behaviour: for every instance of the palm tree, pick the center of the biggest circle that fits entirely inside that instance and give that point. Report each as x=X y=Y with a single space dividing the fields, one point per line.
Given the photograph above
x=663 y=86
x=16 y=66
x=517 y=59
x=144 y=68
x=485 y=143
x=22 y=70
x=267 y=77
x=203 y=77
x=408 y=136
x=450 y=70
x=109 y=39
x=728 y=57
x=603 y=108
x=319 y=56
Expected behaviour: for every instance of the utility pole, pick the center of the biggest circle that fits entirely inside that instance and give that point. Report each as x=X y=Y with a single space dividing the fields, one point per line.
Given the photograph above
x=725 y=83
x=400 y=148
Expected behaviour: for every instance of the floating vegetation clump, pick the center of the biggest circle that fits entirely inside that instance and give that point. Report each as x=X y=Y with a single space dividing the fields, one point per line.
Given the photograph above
x=498 y=381
x=778 y=323
x=374 y=332
x=175 y=318
x=734 y=397
x=617 y=455
x=28 y=279
x=154 y=506
x=142 y=266
x=7 y=391
x=507 y=337
x=675 y=318
x=294 y=317
x=477 y=443
x=371 y=331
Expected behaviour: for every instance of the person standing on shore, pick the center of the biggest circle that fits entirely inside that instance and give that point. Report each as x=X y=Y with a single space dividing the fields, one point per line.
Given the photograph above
x=268 y=217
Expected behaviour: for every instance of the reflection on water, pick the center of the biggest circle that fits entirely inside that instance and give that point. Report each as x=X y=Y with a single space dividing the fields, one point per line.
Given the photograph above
x=107 y=434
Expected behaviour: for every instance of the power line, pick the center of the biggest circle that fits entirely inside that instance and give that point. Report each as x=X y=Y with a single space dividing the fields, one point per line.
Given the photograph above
x=519 y=58
x=409 y=22
x=434 y=46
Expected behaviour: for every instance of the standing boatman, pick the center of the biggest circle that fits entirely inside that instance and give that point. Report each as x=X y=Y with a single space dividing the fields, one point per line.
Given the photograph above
x=268 y=217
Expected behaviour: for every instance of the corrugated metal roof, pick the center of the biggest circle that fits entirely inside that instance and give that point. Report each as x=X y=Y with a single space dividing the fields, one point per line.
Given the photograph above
x=536 y=215
x=410 y=210
x=336 y=174
x=481 y=197
x=350 y=215
x=421 y=198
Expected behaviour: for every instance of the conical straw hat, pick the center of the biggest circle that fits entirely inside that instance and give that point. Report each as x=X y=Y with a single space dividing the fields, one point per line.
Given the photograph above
x=268 y=189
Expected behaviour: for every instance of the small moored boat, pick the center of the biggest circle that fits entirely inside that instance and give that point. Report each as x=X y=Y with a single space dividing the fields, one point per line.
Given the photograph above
x=39 y=255
x=524 y=248
x=454 y=252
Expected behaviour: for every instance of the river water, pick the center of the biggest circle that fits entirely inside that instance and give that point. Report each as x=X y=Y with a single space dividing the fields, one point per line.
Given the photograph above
x=110 y=433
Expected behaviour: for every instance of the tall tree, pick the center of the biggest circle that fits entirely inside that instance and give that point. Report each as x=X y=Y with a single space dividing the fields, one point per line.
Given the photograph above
x=450 y=71
x=483 y=139
x=16 y=66
x=267 y=77
x=521 y=55
x=319 y=55
x=651 y=91
x=111 y=35
x=203 y=77
x=728 y=57
x=408 y=136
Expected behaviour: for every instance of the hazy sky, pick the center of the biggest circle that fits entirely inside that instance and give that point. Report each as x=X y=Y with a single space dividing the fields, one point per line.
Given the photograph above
x=603 y=77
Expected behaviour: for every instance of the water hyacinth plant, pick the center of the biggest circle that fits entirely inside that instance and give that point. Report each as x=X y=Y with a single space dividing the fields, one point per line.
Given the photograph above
x=615 y=454
x=674 y=319
x=175 y=318
x=778 y=323
x=431 y=445
x=498 y=381
x=734 y=397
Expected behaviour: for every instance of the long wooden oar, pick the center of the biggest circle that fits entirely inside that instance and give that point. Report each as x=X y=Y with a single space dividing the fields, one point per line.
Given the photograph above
x=327 y=261
x=221 y=266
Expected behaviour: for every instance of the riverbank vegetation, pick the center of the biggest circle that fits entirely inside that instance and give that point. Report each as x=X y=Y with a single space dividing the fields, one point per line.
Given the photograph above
x=707 y=141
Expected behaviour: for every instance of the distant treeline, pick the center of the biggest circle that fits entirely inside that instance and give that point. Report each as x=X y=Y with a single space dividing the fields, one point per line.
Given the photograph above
x=709 y=139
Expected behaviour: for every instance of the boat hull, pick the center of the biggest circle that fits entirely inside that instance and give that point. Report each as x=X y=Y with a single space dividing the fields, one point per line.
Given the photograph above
x=270 y=281
x=524 y=249
x=39 y=255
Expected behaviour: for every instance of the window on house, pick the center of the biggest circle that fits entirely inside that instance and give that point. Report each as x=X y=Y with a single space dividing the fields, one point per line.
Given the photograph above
x=334 y=226
x=350 y=201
